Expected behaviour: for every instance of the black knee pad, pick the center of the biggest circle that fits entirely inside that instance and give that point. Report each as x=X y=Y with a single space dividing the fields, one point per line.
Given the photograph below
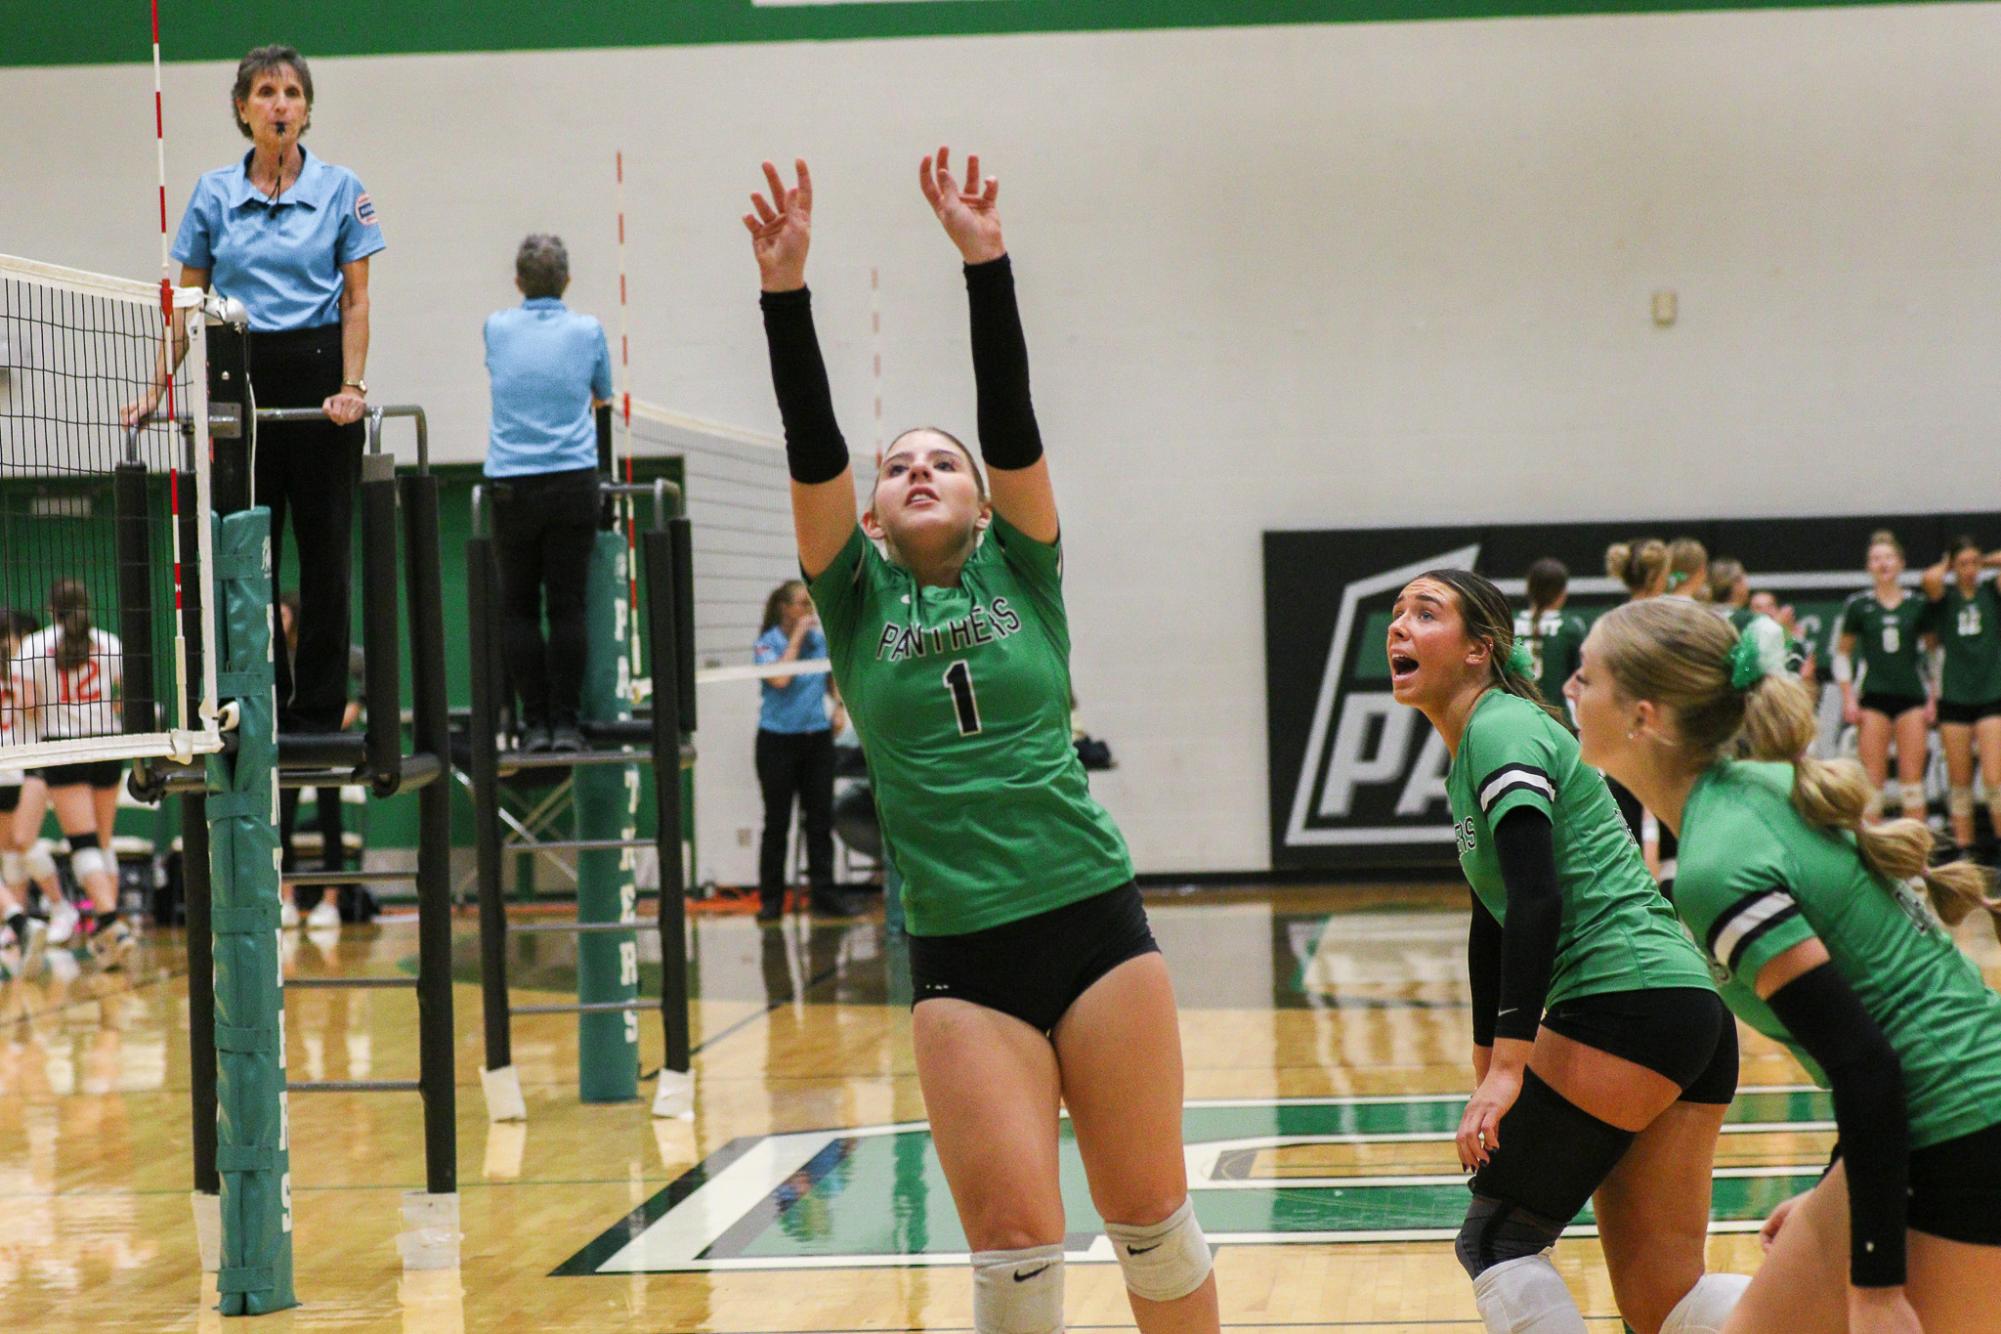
x=1552 y=1154
x=1496 y=1232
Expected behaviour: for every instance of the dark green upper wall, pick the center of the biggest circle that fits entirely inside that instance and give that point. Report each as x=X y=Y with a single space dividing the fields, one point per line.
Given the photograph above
x=48 y=32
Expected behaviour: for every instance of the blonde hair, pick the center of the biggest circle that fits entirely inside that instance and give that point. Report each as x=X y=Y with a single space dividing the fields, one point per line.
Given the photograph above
x=1678 y=656
x=1687 y=558
x=1883 y=537
x=1640 y=564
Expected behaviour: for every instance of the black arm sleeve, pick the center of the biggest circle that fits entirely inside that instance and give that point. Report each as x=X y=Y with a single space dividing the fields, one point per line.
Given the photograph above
x=1483 y=963
x=1009 y=437
x=1526 y=845
x=814 y=449
x=1823 y=1014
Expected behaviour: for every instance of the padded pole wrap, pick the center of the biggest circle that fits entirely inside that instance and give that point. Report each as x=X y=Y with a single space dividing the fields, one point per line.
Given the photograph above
x=252 y=1142
x=606 y=801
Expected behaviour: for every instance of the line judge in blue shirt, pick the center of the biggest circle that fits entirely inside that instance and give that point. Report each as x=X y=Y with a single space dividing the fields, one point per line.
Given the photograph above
x=550 y=370
x=290 y=236
x=795 y=753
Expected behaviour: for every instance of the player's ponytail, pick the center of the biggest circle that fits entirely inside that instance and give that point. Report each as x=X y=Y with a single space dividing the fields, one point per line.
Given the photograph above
x=1484 y=609
x=69 y=605
x=1691 y=661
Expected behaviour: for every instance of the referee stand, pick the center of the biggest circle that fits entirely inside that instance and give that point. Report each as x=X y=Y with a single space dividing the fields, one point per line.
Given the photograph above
x=238 y=1084
x=602 y=789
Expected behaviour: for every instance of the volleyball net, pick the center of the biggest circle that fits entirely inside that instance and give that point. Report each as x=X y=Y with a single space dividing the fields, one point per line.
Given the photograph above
x=104 y=525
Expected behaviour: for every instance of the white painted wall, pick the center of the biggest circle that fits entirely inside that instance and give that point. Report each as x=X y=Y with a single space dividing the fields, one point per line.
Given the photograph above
x=1291 y=277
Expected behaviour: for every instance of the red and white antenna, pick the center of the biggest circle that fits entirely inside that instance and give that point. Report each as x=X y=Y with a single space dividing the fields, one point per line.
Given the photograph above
x=625 y=430
x=167 y=357
x=875 y=350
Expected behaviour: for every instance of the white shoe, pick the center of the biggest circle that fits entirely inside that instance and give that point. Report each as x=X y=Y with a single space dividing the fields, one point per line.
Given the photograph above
x=63 y=919
x=32 y=947
x=288 y=916
x=325 y=916
x=113 y=946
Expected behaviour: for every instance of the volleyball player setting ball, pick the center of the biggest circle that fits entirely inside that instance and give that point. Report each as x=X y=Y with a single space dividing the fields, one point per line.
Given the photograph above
x=1604 y=1058
x=1965 y=616
x=1036 y=979
x=1815 y=917
x=1894 y=700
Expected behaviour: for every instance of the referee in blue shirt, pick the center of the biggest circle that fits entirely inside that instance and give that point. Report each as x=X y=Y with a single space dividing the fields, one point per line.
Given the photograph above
x=550 y=370
x=795 y=753
x=290 y=236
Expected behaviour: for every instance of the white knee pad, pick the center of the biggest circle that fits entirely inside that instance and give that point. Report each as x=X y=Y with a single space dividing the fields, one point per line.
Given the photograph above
x=1526 y=1296
x=40 y=860
x=1959 y=801
x=12 y=870
x=1018 y=1292
x=90 y=861
x=1708 y=1304
x=1163 y=1261
x=1874 y=809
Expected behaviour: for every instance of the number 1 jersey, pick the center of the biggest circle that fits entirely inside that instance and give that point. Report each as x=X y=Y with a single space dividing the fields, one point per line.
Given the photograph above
x=961 y=697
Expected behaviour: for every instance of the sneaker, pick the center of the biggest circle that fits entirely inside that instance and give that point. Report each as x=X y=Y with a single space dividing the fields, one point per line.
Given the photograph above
x=770 y=910
x=534 y=739
x=32 y=948
x=63 y=922
x=325 y=916
x=565 y=739
x=113 y=946
x=288 y=916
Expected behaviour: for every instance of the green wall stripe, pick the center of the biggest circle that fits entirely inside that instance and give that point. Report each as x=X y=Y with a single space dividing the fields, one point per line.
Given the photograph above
x=42 y=33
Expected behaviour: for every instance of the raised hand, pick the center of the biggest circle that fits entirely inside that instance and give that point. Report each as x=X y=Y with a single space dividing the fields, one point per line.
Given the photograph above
x=970 y=216
x=781 y=229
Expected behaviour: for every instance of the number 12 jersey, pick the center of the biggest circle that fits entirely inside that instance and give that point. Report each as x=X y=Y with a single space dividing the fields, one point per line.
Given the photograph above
x=961 y=697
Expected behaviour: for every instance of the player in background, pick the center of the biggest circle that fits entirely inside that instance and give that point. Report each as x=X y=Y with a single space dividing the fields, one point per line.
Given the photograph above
x=1552 y=634
x=71 y=678
x=1036 y=981
x=1604 y=1058
x=1730 y=590
x=1688 y=570
x=1801 y=659
x=1888 y=698
x=1816 y=919
x=1964 y=615
x=29 y=934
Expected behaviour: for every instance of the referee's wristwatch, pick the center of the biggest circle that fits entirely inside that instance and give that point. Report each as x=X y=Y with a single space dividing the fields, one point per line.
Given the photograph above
x=360 y=387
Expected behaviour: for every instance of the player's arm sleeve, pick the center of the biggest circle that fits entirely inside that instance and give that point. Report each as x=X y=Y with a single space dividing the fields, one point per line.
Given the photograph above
x=1524 y=841
x=1483 y=965
x=194 y=242
x=359 y=234
x=814 y=449
x=1009 y=436
x=1824 y=1016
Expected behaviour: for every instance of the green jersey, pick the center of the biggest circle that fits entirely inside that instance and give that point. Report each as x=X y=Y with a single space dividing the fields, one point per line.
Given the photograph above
x=1969 y=629
x=1553 y=639
x=1888 y=640
x=1618 y=933
x=1756 y=880
x=961 y=698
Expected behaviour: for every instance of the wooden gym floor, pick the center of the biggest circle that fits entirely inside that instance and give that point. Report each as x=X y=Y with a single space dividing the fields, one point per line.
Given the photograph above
x=1325 y=1033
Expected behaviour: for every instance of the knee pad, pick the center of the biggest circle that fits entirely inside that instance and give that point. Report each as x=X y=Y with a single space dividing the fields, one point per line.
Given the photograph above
x=40 y=861
x=1553 y=1154
x=90 y=861
x=1526 y=1296
x=1873 y=810
x=12 y=869
x=1497 y=1233
x=1959 y=801
x=1164 y=1261
x=1018 y=1292
x=1707 y=1306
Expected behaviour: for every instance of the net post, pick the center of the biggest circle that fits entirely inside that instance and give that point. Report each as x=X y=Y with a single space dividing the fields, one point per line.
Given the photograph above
x=381 y=668
x=135 y=594
x=485 y=730
x=663 y=625
x=434 y=837
x=682 y=533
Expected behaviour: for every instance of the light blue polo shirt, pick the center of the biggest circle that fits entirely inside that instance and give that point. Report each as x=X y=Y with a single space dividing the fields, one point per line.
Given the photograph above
x=802 y=705
x=280 y=260
x=546 y=363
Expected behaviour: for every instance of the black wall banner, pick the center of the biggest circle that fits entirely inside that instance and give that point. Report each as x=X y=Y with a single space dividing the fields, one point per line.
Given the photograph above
x=1357 y=780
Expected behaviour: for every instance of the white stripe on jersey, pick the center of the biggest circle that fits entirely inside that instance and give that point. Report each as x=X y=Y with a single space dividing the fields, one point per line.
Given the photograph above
x=1732 y=933
x=1511 y=776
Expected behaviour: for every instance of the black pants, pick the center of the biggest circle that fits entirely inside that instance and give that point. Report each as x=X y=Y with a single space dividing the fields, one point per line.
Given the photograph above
x=333 y=853
x=545 y=526
x=796 y=766
x=310 y=473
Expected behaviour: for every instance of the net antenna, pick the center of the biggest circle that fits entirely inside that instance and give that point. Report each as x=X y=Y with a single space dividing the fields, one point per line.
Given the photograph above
x=92 y=476
x=633 y=636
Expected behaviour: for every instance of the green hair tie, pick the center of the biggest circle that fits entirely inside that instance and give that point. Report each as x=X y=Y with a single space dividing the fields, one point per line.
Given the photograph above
x=1520 y=661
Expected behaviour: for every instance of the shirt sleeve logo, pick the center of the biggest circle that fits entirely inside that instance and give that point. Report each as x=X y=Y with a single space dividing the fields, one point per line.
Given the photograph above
x=364 y=210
